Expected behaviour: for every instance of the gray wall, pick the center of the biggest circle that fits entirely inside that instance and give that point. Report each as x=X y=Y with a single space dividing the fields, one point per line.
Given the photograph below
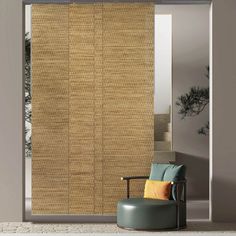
x=223 y=141
x=223 y=156
x=11 y=110
x=190 y=57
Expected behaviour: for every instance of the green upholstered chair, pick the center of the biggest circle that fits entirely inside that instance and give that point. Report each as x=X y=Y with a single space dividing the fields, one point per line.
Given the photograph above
x=152 y=214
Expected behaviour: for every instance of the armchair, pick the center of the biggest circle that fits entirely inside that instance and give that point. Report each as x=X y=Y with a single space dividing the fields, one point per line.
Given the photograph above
x=155 y=214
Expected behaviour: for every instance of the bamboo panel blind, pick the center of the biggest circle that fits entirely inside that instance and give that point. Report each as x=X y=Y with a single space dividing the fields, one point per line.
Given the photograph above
x=127 y=97
x=92 y=105
x=50 y=109
x=81 y=156
x=98 y=108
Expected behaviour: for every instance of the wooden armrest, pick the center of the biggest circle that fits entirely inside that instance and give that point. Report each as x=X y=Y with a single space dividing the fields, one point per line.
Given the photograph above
x=128 y=178
x=177 y=183
x=134 y=177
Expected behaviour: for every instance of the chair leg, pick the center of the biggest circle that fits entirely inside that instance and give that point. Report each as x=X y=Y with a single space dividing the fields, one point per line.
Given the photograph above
x=178 y=216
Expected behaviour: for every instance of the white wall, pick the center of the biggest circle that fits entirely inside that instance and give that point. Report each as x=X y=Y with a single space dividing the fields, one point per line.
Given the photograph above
x=28 y=19
x=223 y=156
x=163 y=64
x=190 y=57
x=28 y=177
x=11 y=178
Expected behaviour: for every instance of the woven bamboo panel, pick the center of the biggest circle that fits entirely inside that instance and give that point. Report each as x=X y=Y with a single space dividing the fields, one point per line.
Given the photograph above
x=50 y=109
x=82 y=113
x=92 y=104
x=127 y=97
x=98 y=83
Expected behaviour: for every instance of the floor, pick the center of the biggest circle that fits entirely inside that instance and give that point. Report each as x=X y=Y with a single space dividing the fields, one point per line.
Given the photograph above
x=197 y=224
x=196 y=210
x=201 y=228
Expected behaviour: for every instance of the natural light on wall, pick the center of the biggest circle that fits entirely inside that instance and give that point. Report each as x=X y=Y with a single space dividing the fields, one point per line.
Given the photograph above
x=163 y=63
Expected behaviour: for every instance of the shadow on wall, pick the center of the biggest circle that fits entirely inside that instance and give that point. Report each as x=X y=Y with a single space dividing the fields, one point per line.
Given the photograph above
x=197 y=175
x=223 y=196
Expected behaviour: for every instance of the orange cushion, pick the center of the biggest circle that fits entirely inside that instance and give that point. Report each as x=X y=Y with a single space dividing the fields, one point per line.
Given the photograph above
x=156 y=189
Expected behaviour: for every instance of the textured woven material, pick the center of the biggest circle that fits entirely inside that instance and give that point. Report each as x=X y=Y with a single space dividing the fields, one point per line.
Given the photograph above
x=92 y=104
x=127 y=98
x=81 y=101
x=50 y=109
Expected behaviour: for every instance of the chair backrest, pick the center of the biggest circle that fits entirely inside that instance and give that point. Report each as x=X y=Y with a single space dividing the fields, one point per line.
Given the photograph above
x=168 y=172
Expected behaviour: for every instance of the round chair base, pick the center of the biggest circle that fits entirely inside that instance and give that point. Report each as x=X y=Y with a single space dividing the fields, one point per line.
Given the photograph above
x=153 y=230
x=146 y=214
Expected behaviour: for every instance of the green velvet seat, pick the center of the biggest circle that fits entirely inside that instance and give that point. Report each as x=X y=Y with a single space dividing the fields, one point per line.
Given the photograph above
x=153 y=214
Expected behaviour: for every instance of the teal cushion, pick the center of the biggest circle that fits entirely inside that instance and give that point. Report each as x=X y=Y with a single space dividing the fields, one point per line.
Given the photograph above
x=167 y=172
